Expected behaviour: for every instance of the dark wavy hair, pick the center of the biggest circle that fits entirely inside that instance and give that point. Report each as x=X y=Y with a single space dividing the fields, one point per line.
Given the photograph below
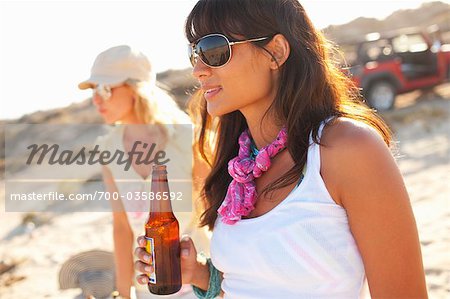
x=311 y=89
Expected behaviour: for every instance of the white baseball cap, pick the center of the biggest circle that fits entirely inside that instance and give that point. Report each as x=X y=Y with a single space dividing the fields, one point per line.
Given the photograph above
x=117 y=65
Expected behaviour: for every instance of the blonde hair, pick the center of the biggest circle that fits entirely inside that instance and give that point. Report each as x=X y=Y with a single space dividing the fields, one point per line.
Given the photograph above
x=154 y=105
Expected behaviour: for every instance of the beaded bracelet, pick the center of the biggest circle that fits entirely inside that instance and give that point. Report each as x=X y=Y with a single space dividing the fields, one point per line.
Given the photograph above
x=213 y=286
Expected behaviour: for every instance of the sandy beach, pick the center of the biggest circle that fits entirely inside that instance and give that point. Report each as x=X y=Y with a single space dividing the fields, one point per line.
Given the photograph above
x=37 y=245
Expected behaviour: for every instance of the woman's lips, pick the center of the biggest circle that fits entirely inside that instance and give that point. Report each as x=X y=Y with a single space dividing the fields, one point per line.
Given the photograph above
x=212 y=92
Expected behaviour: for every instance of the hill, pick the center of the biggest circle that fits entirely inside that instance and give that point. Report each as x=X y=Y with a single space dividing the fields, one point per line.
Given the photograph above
x=426 y=15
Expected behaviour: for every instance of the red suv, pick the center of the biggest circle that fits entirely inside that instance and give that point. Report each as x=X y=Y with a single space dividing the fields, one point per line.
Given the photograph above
x=398 y=62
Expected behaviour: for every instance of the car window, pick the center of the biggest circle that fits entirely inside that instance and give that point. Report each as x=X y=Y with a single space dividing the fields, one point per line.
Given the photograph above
x=409 y=43
x=375 y=51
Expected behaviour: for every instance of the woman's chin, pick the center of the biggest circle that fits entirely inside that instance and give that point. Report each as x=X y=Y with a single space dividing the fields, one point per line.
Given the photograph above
x=216 y=111
x=108 y=120
x=215 y=114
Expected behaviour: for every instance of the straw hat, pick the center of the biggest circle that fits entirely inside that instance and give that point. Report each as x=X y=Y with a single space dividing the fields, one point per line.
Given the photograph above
x=92 y=271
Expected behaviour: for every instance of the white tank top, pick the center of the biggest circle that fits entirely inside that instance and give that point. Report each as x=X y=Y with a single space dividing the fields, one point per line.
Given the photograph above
x=302 y=248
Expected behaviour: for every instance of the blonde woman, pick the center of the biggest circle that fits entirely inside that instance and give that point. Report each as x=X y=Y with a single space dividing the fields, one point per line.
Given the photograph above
x=125 y=94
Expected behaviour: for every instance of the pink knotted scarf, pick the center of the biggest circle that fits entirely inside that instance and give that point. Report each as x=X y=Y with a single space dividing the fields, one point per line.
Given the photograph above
x=241 y=194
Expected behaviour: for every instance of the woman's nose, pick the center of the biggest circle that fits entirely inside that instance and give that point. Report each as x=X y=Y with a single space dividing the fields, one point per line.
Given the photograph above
x=96 y=99
x=201 y=70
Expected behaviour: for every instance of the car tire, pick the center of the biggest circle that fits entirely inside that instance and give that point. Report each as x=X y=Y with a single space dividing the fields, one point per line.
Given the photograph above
x=381 y=95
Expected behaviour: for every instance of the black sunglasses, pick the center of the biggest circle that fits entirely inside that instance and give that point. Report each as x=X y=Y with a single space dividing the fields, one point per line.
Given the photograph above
x=214 y=49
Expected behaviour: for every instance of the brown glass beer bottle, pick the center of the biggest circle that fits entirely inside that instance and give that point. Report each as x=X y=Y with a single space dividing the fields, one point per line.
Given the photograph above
x=162 y=235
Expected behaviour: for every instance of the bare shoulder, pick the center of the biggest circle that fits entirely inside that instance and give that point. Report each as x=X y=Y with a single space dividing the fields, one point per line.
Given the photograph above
x=345 y=132
x=352 y=153
x=362 y=176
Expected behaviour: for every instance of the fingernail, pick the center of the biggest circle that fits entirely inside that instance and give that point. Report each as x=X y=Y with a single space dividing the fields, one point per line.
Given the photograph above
x=185 y=252
x=148 y=269
x=146 y=258
x=185 y=238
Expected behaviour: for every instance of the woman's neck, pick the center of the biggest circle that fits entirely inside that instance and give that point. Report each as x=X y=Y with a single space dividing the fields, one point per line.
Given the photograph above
x=263 y=133
x=130 y=119
x=264 y=130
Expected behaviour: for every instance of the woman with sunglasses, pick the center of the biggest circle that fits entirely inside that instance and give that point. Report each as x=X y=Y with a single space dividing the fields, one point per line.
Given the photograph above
x=304 y=198
x=125 y=94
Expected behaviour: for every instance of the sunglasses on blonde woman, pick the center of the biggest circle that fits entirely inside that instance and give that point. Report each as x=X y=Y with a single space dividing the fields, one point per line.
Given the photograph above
x=103 y=90
x=214 y=50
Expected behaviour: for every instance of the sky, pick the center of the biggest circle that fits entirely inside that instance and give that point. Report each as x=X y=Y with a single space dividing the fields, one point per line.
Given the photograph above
x=48 y=47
